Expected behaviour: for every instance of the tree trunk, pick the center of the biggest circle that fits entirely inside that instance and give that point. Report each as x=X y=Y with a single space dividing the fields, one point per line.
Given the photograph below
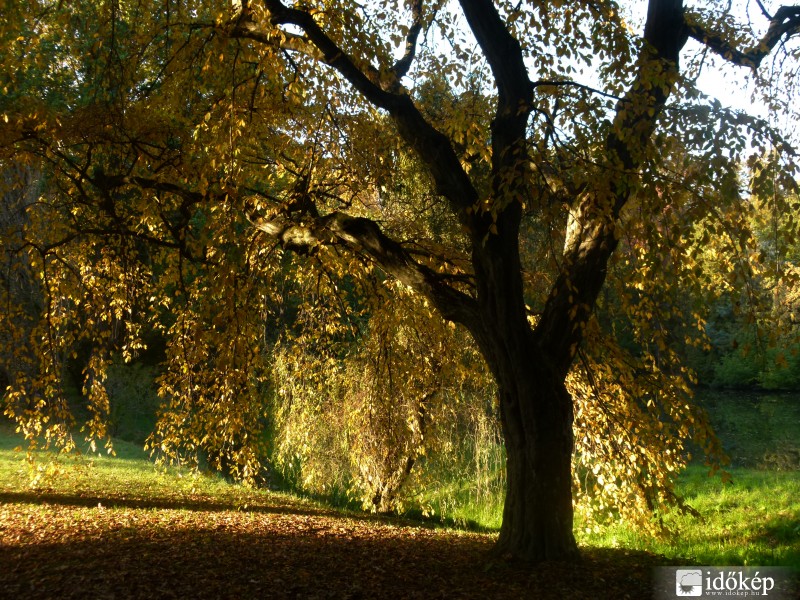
x=536 y=415
x=535 y=410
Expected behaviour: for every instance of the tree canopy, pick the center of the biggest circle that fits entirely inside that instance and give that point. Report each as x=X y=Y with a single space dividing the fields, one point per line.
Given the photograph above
x=300 y=196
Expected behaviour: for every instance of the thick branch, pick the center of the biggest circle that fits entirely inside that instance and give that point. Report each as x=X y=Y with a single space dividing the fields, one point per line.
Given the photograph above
x=591 y=235
x=332 y=54
x=504 y=54
x=783 y=25
x=433 y=147
x=502 y=51
x=364 y=237
x=764 y=10
x=495 y=238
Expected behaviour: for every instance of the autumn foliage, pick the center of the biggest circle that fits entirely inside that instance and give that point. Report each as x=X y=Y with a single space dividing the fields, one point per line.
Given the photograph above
x=343 y=231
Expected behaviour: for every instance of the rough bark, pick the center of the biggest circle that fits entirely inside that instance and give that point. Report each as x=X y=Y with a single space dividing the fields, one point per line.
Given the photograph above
x=536 y=416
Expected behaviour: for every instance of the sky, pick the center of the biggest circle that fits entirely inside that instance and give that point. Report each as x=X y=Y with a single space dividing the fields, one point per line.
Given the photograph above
x=731 y=85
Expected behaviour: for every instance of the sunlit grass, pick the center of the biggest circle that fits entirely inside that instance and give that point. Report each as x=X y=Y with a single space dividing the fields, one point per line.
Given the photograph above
x=460 y=503
x=128 y=475
x=753 y=520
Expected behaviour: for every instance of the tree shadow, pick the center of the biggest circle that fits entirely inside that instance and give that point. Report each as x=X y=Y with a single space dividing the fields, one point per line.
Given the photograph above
x=780 y=532
x=135 y=548
x=275 y=506
x=316 y=562
x=159 y=503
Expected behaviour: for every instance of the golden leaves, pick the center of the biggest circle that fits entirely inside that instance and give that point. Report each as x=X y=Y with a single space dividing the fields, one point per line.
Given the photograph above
x=633 y=420
x=360 y=416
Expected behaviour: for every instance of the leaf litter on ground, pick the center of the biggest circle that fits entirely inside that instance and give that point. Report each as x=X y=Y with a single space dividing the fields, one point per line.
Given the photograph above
x=53 y=545
x=123 y=530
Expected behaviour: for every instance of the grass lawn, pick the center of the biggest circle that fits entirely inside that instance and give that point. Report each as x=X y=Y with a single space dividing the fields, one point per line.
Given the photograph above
x=118 y=527
x=753 y=520
x=115 y=527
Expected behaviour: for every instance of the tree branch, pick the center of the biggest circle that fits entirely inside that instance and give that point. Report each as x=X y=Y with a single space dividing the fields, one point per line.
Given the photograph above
x=432 y=146
x=364 y=236
x=401 y=67
x=764 y=10
x=514 y=103
x=591 y=233
x=332 y=54
x=107 y=183
x=569 y=83
x=782 y=26
x=502 y=51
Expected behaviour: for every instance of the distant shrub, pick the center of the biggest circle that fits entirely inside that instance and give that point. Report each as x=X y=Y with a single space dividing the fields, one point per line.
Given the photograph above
x=739 y=369
x=781 y=369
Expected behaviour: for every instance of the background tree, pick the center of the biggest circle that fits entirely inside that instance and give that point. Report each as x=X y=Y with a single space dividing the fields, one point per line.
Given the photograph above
x=752 y=328
x=164 y=127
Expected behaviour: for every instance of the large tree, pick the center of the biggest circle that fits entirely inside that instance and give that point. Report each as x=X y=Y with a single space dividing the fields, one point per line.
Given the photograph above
x=164 y=121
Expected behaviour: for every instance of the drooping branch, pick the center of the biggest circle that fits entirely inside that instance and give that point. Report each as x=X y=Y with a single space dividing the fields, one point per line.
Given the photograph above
x=364 y=237
x=784 y=24
x=281 y=15
x=107 y=184
x=573 y=84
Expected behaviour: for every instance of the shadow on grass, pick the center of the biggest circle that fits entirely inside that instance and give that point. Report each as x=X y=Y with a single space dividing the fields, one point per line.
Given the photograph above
x=780 y=534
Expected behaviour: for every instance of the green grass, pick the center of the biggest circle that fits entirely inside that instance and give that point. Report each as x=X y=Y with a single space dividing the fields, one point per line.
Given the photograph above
x=457 y=501
x=753 y=520
x=129 y=476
